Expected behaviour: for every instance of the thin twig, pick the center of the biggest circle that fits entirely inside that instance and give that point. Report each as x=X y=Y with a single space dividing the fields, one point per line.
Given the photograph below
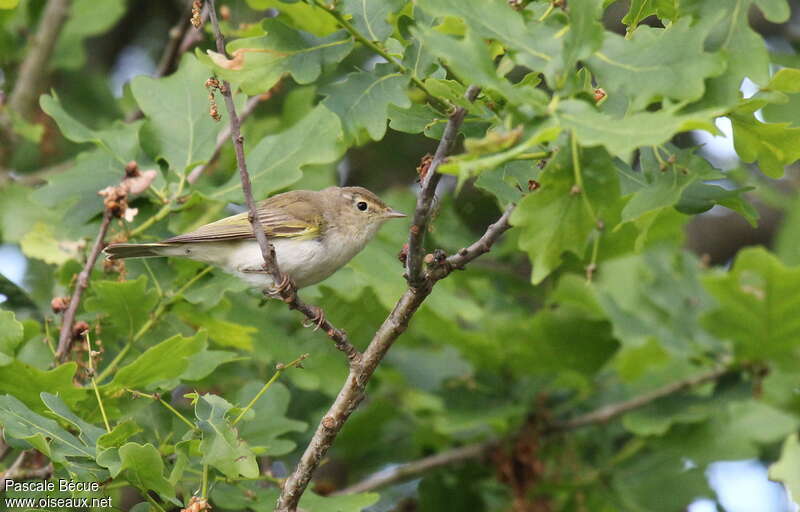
x=403 y=472
x=280 y=368
x=427 y=192
x=156 y=397
x=396 y=323
x=13 y=470
x=66 y=336
x=94 y=382
x=283 y=286
x=222 y=138
x=611 y=411
x=172 y=50
x=481 y=246
x=33 y=69
x=601 y=415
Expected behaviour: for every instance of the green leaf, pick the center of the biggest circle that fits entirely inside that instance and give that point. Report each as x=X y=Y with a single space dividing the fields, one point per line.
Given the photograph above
x=701 y=197
x=656 y=296
x=731 y=34
x=178 y=126
x=370 y=17
x=221 y=446
x=473 y=162
x=589 y=344
x=143 y=468
x=42 y=433
x=120 y=141
x=758 y=308
x=508 y=182
x=41 y=243
x=263 y=429
x=787 y=469
x=276 y=162
x=641 y=9
x=656 y=64
x=470 y=60
x=8 y=4
x=663 y=187
x=259 y=62
x=774 y=145
x=126 y=304
x=10 y=333
x=585 y=31
x=160 y=365
x=534 y=44
x=553 y=219
x=349 y=503
x=362 y=100
x=118 y=435
x=25 y=383
x=306 y=17
x=203 y=364
x=74 y=191
x=623 y=135
x=86 y=18
x=88 y=433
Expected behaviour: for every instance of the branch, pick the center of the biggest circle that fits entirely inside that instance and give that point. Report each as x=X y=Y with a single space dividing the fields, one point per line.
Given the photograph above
x=396 y=323
x=282 y=284
x=180 y=40
x=222 y=138
x=33 y=68
x=66 y=336
x=15 y=471
x=481 y=246
x=601 y=415
x=427 y=193
x=611 y=411
x=173 y=48
x=12 y=471
x=409 y=470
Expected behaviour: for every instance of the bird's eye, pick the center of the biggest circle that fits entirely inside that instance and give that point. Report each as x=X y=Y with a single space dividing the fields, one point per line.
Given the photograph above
x=361 y=205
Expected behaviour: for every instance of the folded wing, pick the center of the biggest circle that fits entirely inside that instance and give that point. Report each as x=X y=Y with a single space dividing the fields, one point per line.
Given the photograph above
x=293 y=215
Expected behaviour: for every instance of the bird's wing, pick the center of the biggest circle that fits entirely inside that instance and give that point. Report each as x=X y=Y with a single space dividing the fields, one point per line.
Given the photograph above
x=290 y=215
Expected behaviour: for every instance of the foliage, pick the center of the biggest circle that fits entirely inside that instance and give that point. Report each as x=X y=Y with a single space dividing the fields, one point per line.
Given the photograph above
x=589 y=299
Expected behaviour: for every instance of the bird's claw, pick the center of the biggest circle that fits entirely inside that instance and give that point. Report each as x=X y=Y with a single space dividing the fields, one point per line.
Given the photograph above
x=283 y=285
x=317 y=320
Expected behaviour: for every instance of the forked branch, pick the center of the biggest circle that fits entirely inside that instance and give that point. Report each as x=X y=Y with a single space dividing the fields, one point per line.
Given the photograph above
x=599 y=416
x=396 y=323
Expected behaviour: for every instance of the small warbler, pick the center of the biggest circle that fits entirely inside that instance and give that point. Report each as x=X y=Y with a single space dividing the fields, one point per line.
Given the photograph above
x=314 y=233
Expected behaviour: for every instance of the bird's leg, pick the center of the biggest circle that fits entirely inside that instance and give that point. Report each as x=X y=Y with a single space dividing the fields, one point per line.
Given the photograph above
x=317 y=320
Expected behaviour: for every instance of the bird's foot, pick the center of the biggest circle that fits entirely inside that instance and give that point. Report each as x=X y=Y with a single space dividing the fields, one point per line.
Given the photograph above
x=279 y=291
x=317 y=320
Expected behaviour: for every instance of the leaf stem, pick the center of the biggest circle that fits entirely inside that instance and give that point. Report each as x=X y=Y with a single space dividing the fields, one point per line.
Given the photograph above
x=280 y=369
x=162 y=307
x=153 y=502
x=358 y=36
x=204 y=487
x=94 y=382
x=157 y=397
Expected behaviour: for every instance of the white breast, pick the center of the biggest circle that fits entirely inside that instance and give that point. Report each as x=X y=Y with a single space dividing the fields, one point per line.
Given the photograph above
x=306 y=262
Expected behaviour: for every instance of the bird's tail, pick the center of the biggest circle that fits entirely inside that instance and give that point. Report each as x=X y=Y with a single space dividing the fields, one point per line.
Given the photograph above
x=122 y=251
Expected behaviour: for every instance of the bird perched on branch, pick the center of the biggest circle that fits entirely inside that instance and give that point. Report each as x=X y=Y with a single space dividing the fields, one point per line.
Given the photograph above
x=314 y=233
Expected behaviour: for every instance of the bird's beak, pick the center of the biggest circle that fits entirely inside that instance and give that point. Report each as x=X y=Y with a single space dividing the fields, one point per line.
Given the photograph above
x=394 y=214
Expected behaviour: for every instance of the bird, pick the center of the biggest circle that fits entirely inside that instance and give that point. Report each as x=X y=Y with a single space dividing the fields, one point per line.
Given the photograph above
x=314 y=233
